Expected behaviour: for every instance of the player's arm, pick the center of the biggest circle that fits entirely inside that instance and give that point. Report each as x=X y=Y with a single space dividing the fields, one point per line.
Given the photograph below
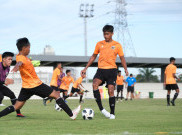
x=17 y=66
x=59 y=78
x=8 y=81
x=91 y=60
x=81 y=85
x=123 y=62
x=174 y=75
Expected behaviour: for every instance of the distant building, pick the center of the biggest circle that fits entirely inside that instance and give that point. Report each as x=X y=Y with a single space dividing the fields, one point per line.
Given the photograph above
x=48 y=50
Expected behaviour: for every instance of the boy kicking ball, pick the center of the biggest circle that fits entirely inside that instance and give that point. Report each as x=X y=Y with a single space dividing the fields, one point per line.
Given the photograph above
x=31 y=84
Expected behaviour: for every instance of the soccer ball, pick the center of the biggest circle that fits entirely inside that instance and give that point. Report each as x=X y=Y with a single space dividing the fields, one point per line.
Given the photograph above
x=87 y=114
x=57 y=108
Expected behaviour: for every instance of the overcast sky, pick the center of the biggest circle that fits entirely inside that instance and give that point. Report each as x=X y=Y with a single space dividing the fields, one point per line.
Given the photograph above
x=155 y=25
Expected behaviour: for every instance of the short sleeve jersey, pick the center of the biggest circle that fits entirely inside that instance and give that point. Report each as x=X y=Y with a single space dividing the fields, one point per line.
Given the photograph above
x=170 y=70
x=77 y=82
x=108 y=52
x=66 y=82
x=120 y=80
x=54 y=79
x=27 y=72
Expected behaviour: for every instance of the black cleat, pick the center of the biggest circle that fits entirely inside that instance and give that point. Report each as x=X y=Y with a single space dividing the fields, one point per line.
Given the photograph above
x=126 y=99
x=168 y=104
x=44 y=101
x=172 y=102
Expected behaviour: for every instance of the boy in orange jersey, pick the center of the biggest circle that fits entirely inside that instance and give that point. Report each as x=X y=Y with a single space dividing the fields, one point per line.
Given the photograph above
x=119 y=82
x=64 y=87
x=76 y=88
x=31 y=84
x=108 y=50
x=54 y=84
x=170 y=81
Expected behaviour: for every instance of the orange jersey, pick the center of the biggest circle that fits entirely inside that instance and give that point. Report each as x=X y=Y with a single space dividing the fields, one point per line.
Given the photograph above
x=108 y=54
x=1 y=58
x=54 y=79
x=120 y=80
x=77 y=82
x=170 y=70
x=28 y=74
x=66 y=82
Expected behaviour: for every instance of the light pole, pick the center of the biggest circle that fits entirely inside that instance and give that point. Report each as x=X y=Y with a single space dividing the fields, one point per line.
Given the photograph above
x=86 y=11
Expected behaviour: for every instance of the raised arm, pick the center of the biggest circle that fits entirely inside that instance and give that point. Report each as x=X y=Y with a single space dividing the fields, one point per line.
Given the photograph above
x=123 y=62
x=91 y=60
x=16 y=68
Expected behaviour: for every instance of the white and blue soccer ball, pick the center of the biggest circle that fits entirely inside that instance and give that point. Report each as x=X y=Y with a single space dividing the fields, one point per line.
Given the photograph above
x=88 y=114
x=57 y=108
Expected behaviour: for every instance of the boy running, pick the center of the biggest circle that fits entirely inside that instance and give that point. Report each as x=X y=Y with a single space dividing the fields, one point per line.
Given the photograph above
x=119 y=82
x=77 y=88
x=31 y=84
x=7 y=58
x=64 y=87
x=108 y=50
x=170 y=81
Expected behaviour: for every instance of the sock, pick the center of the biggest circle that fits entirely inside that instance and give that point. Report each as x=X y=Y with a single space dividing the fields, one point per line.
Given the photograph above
x=64 y=106
x=65 y=97
x=7 y=111
x=13 y=101
x=117 y=96
x=168 y=99
x=81 y=96
x=98 y=99
x=121 y=95
x=175 y=96
x=112 y=104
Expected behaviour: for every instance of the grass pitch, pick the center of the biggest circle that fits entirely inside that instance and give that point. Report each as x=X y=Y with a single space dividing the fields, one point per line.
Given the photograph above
x=145 y=116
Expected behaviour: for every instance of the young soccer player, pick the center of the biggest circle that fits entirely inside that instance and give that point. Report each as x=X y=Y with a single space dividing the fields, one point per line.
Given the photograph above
x=108 y=50
x=31 y=84
x=60 y=77
x=170 y=81
x=7 y=58
x=77 y=88
x=119 y=82
x=64 y=87
x=54 y=84
x=1 y=95
x=131 y=81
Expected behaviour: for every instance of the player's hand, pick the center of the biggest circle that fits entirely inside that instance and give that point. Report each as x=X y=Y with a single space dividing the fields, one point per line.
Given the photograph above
x=126 y=72
x=9 y=81
x=83 y=72
x=179 y=79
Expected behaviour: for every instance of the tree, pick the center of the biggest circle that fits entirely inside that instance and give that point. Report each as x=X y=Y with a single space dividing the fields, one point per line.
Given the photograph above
x=146 y=75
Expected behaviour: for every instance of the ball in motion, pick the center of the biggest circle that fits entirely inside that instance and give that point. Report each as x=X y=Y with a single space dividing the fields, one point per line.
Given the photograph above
x=87 y=114
x=57 y=108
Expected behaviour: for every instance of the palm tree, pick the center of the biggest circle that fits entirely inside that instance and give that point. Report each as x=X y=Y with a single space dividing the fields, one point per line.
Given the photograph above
x=146 y=75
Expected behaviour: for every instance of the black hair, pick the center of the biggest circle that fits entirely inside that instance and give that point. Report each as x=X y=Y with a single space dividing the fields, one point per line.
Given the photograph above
x=119 y=71
x=108 y=28
x=172 y=59
x=21 y=42
x=67 y=71
x=7 y=54
x=131 y=74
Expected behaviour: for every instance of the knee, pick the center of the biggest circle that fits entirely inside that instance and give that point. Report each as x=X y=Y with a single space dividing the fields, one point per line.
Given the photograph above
x=95 y=85
x=12 y=95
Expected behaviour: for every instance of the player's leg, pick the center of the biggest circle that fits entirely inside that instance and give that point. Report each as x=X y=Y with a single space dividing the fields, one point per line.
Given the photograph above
x=118 y=90
x=175 y=95
x=168 y=97
x=7 y=92
x=96 y=83
x=132 y=93
x=111 y=101
x=81 y=95
x=71 y=94
x=1 y=98
x=122 y=94
x=128 y=91
x=48 y=100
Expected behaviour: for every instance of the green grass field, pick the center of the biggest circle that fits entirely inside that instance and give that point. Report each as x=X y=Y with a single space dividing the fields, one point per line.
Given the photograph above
x=146 y=116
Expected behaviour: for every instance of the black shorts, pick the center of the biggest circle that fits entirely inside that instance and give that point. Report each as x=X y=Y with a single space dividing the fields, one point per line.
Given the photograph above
x=107 y=75
x=119 y=88
x=43 y=91
x=172 y=87
x=55 y=88
x=130 y=89
x=73 y=90
x=5 y=91
x=62 y=90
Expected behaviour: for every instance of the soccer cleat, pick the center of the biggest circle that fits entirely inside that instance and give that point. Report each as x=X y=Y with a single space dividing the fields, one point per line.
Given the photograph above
x=126 y=99
x=172 y=102
x=20 y=115
x=81 y=102
x=76 y=112
x=106 y=113
x=112 y=117
x=2 y=105
x=168 y=104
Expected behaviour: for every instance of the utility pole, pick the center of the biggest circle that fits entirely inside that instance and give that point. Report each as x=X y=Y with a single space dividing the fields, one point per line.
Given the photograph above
x=86 y=11
x=121 y=27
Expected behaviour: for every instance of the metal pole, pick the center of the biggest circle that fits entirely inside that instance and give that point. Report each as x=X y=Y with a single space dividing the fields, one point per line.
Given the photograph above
x=85 y=34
